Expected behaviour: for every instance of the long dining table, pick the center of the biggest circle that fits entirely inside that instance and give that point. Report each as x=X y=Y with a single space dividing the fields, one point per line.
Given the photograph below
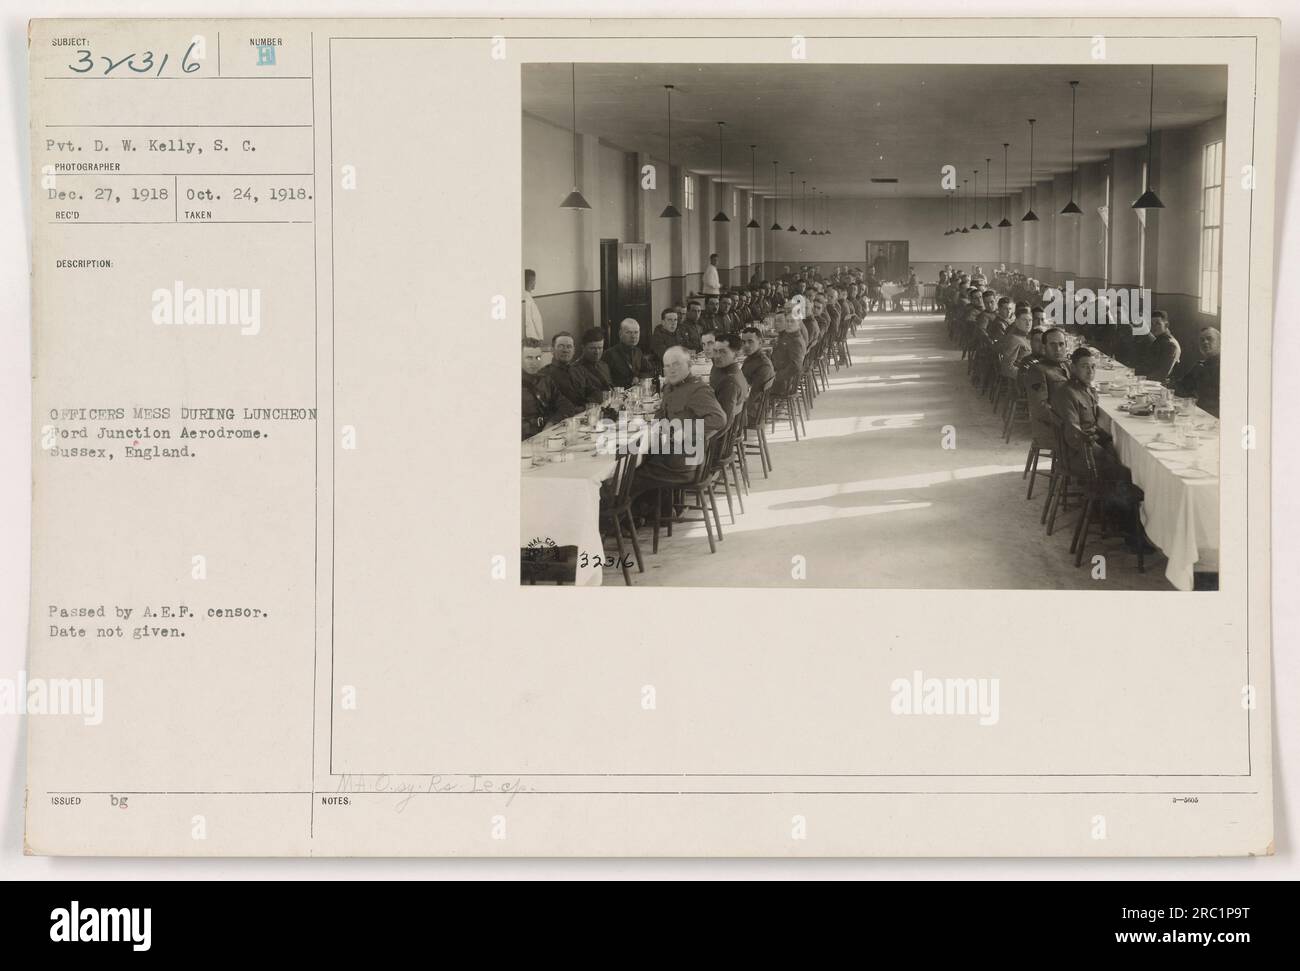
x=559 y=492
x=1179 y=479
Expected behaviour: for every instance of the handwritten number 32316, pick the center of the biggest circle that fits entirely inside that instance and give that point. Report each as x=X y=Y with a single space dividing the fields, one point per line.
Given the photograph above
x=137 y=63
x=587 y=559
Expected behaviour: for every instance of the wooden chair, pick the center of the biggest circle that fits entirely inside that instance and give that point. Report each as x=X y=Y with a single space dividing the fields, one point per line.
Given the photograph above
x=787 y=405
x=616 y=509
x=1064 y=478
x=1095 y=491
x=726 y=466
x=756 y=422
x=700 y=488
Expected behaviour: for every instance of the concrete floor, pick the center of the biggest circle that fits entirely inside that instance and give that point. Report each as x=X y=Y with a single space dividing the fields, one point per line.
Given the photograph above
x=871 y=498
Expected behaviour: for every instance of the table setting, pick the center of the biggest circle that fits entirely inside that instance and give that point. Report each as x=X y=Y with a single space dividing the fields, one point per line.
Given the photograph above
x=1172 y=448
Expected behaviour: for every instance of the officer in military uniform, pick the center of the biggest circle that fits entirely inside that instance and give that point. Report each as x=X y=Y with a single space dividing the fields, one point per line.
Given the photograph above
x=593 y=368
x=542 y=401
x=570 y=380
x=1039 y=380
x=1203 y=379
x=1075 y=405
x=628 y=364
x=787 y=355
x=664 y=337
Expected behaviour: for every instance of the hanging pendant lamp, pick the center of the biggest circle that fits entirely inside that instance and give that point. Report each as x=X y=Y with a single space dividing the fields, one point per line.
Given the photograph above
x=776 y=202
x=988 y=178
x=964 y=198
x=753 y=181
x=975 y=201
x=574 y=199
x=721 y=217
x=1071 y=207
x=792 y=228
x=670 y=211
x=1149 y=199
x=1005 y=223
x=803 y=211
x=1031 y=216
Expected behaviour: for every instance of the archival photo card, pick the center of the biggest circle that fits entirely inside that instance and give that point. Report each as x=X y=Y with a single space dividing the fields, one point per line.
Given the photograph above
x=904 y=385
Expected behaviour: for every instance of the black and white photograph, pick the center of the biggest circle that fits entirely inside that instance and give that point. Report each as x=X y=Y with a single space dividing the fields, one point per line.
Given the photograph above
x=917 y=326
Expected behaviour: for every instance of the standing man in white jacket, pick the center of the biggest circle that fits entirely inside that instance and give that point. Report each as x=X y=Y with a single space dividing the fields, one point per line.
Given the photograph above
x=532 y=316
x=711 y=285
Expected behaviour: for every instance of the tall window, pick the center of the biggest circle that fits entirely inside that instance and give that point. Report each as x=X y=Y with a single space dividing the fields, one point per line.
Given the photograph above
x=1211 y=225
x=688 y=191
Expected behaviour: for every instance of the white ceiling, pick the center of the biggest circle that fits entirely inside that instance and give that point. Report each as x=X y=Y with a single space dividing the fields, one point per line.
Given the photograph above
x=839 y=125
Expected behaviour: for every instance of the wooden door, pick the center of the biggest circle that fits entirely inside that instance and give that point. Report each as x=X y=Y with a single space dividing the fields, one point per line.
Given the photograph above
x=889 y=259
x=609 y=313
x=634 y=287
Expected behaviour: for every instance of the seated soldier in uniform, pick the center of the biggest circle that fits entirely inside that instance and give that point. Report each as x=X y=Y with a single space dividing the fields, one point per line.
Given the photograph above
x=1035 y=348
x=1074 y=404
x=727 y=320
x=757 y=369
x=688 y=327
x=691 y=402
x=542 y=401
x=1002 y=317
x=570 y=380
x=710 y=318
x=664 y=337
x=1202 y=380
x=787 y=355
x=708 y=337
x=628 y=364
x=1013 y=345
x=727 y=378
x=593 y=368
x=1039 y=380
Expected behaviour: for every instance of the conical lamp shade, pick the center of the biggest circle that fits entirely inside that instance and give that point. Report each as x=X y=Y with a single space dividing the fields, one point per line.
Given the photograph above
x=776 y=227
x=1071 y=209
x=792 y=228
x=1148 y=200
x=965 y=230
x=670 y=212
x=1005 y=224
x=974 y=225
x=986 y=225
x=574 y=200
x=1029 y=217
x=721 y=217
x=803 y=232
x=753 y=224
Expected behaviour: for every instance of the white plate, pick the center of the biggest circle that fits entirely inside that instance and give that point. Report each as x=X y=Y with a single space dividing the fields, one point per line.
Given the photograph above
x=1193 y=473
x=1160 y=445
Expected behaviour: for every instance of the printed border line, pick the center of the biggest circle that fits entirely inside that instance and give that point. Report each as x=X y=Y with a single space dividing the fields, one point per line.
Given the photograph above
x=333 y=383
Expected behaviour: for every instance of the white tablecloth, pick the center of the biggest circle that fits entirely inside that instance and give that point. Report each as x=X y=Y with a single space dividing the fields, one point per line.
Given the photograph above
x=559 y=503
x=1179 y=512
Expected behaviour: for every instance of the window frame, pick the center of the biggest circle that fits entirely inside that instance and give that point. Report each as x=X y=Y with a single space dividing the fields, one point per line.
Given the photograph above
x=1210 y=263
